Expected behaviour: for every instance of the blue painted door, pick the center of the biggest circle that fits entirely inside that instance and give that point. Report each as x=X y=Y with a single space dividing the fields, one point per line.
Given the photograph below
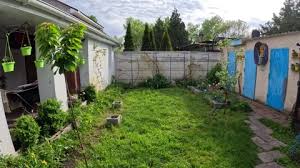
x=278 y=75
x=249 y=75
x=231 y=63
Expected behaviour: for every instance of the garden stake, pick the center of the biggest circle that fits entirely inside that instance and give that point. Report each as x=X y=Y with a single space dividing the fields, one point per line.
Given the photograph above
x=75 y=127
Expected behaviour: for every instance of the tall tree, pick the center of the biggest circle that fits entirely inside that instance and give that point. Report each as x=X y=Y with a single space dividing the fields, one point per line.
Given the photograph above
x=236 y=29
x=166 y=44
x=158 y=30
x=146 y=43
x=194 y=31
x=288 y=19
x=137 y=30
x=152 y=41
x=128 y=44
x=178 y=34
x=213 y=27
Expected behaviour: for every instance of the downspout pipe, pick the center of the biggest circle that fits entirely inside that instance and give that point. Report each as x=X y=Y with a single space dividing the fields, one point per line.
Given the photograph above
x=59 y=13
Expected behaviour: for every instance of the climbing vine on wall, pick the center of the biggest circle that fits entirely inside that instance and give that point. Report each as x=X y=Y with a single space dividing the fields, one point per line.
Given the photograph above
x=98 y=61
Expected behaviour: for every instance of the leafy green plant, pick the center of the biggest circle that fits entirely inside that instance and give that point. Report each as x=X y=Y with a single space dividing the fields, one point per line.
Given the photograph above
x=227 y=82
x=50 y=117
x=294 y=151
x=211 y=75
x=60 y=47
x=240 y=106
x=27 y=131
x=89 y=94
x=157 y=82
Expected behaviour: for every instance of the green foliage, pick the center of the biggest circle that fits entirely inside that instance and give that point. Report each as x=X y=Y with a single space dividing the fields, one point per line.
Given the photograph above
x=187 y=82
x=88 y=94
x=137 y=31
x=194 y=31
x=241 y=106
x=146 y=44
x=211 y=75
x=61 y=47
x=152 y=41
x=54 y=154
x=287 y=20
x=128 y=44
x=166 y=44
x=217 y=27
x=157 y=82
x=173 y=128
x=27 y=131
x=158 y=29
x=50 y=117
x=93 y=18
x=226 y=81
x=176 y=29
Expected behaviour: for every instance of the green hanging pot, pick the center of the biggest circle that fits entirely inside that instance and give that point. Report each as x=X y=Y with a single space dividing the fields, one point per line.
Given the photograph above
x=26 y=51
x=39 y=63
x=8 y=66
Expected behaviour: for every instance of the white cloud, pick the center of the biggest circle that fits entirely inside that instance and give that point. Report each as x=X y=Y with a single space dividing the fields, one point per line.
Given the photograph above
x=112 y=13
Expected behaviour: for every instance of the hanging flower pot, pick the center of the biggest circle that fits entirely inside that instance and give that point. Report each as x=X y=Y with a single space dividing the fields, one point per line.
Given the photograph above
x=40 y=63
x=26 y=50
x=8 y=62
x=8 y=66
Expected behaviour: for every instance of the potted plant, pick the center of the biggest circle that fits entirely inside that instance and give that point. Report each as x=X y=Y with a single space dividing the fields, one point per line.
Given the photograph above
x=8 y=62
x=294 y=54
x=297 y=67
x=293 y=67
x=26 y=48
x=40 y=62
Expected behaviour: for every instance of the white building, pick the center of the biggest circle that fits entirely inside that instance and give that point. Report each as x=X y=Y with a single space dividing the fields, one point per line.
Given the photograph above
x=97 y=51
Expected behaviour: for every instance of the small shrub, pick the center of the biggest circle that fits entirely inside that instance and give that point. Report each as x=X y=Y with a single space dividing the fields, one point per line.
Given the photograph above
x=294 y=151
x=89 y=94
x=211 y=75
x=27 y=131
x=50 y=117
x=241 y=106
x=186 y=82
x=157 y=82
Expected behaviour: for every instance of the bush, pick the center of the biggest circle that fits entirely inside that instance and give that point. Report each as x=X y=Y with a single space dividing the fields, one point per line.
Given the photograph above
x=50 y=117
x=211 y=75
x=89 y=94
x=157 y=82
x=186 y=82
x=241 y=106
x=27 y=131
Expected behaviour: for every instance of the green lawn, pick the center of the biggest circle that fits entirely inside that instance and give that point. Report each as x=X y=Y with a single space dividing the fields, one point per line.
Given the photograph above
x=173 y=128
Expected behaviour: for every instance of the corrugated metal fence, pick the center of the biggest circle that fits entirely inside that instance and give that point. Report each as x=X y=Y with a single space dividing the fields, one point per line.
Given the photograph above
x=135 y=67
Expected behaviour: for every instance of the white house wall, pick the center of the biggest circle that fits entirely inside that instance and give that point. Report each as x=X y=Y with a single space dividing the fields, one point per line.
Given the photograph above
x=100 y=63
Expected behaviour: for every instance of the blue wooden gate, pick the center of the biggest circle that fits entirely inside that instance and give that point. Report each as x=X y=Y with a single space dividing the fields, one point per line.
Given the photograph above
x=278 y=75
x=231 y=63
x=249 y=75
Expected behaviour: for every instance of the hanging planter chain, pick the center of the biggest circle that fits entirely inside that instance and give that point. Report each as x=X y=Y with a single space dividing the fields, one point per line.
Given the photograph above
x=7 y=47
x=27 y=35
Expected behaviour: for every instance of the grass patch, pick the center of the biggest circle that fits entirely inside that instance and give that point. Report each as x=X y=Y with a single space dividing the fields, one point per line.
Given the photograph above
x=285 y=135
x=173 y=128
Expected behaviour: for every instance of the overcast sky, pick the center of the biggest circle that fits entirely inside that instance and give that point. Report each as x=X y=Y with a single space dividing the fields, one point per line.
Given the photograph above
x=112 y=13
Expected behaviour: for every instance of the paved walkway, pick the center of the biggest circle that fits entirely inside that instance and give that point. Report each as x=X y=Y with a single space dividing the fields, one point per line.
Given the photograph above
x=263 y=135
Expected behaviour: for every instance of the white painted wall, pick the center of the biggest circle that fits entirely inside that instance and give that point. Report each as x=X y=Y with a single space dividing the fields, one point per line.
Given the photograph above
x=99 y=67
x=6 y=144
x=51 y=86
